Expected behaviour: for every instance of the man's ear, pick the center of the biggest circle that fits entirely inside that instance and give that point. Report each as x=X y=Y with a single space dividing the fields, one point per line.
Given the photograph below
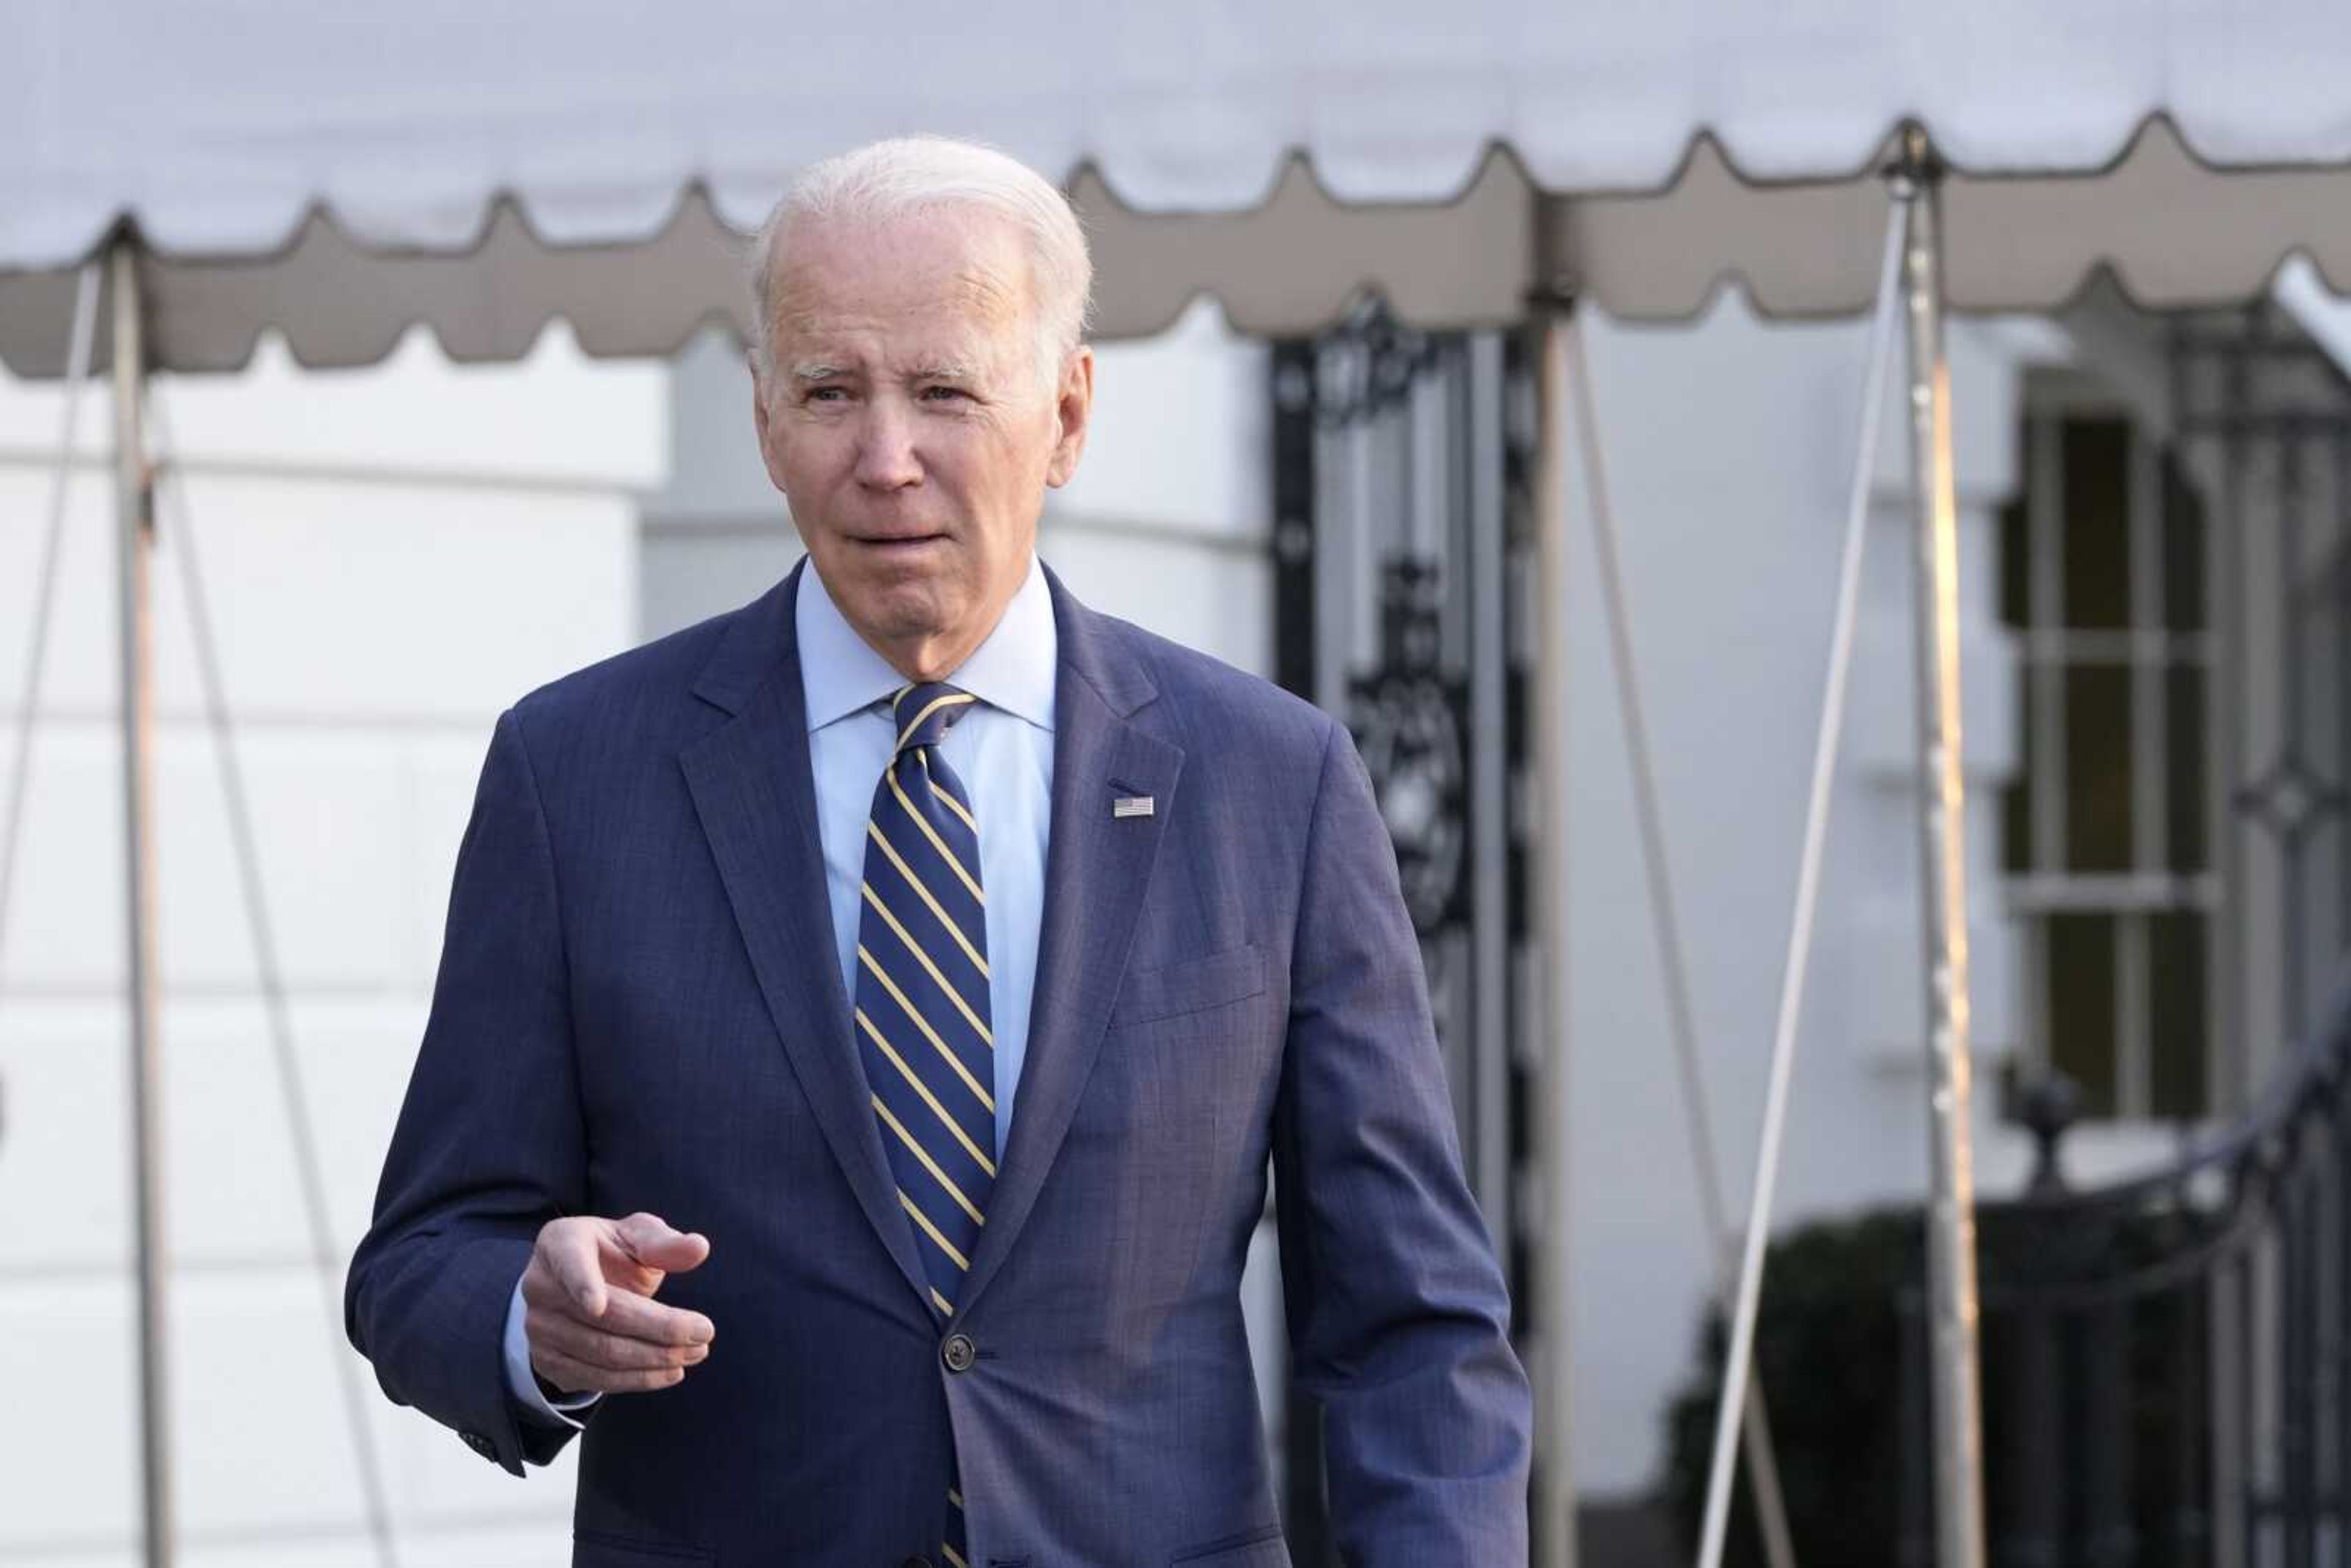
x=1073 y=406
x=759 y=427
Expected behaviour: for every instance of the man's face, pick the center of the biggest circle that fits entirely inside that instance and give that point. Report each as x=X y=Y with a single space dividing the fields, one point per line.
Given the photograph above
x=905 y=421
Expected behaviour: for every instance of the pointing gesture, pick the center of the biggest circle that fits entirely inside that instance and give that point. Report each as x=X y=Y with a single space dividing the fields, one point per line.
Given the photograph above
x=588 y=1306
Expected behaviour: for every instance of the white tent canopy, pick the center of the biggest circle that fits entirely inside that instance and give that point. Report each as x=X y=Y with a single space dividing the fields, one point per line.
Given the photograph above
x=339 y=175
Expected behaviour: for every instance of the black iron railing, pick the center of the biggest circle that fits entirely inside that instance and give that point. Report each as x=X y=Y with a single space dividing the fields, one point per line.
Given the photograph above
x=2166 y=1361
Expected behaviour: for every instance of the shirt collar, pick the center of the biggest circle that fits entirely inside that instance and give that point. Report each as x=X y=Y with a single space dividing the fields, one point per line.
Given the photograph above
x=1013 y=669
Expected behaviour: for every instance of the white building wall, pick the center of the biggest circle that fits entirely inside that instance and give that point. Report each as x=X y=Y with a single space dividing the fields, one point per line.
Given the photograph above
x=392 y=557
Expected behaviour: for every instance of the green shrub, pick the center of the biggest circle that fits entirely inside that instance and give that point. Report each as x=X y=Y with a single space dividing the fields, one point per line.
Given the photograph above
x=1828 y=1351
x=1828 y=1357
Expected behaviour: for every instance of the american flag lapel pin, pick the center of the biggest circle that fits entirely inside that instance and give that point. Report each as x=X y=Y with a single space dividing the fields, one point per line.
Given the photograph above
x=1131 y=806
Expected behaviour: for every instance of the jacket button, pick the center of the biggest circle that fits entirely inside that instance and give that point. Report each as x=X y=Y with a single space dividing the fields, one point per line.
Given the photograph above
x=480 y=1444
x=957 y=1352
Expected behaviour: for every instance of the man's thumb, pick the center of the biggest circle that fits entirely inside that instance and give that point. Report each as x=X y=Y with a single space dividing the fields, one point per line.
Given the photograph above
x=652 y=1241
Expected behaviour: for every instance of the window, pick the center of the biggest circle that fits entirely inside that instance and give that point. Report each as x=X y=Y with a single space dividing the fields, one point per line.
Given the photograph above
x=2105 y=839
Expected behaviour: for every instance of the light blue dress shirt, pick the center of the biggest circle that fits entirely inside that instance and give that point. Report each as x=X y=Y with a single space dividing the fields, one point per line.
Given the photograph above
x=1002 y=749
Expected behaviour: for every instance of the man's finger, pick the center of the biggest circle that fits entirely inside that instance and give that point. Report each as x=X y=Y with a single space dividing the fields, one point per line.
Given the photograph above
x=554 y=1334
x=570 y=1255
x=653 y=1242
x=641 y=1317
x=541 y=1289
x=576 y=1377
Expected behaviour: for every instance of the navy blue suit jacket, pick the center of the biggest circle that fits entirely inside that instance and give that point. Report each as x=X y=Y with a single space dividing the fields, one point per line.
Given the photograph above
x=638 y=1008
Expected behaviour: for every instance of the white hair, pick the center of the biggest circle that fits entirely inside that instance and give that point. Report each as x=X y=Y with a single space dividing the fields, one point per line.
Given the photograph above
x=898 y=178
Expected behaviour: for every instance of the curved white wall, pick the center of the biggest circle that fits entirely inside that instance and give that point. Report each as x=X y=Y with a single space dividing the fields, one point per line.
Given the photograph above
x=392 y=557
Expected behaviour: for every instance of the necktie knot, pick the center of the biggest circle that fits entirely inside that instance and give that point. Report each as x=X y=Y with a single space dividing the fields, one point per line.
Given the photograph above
x=924 y=710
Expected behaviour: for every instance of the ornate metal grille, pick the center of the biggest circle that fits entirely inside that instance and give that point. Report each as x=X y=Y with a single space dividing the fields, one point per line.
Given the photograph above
x=1400 y=465
x=2264 y=417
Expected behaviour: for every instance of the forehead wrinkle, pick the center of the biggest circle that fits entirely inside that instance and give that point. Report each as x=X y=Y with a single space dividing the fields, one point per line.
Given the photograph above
x=973 y=309
x=972 y=320
x=980 y=291
x=989 y=295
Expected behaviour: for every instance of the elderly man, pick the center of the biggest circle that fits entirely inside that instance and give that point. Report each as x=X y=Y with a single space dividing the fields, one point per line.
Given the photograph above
x=908 y=979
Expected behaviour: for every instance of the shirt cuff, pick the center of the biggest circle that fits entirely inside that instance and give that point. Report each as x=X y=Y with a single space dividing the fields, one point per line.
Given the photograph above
x=524 y=1384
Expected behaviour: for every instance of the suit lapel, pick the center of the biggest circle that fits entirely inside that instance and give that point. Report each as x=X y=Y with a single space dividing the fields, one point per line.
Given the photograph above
x=1097 y=868
x=755 y=795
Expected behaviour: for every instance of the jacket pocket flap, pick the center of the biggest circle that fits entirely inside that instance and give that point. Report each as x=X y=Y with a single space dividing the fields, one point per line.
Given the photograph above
x=1190 y=987
x=1258 y=1549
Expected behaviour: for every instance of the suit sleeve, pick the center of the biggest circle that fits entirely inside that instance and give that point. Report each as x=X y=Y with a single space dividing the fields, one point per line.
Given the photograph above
x=489 y=1144
x=1398 y=1314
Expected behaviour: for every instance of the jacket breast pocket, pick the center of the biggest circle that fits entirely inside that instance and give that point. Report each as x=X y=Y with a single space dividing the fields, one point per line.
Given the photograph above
x=1193 y=985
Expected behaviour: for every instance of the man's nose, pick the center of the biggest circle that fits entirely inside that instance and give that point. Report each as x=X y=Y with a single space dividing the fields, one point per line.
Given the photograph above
x=885 y=448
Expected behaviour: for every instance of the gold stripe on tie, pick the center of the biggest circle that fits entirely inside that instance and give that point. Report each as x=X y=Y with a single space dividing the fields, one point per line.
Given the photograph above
x=915 y=882
x=945 y=1246
x=929 y=968
x=955 y=1558
x=946 y=798
x=955 y=1497
x=944 y=1304
x=874 y=968
x=953 y=699
x=929 y=1164
x=937 y=842
x=929 y=1099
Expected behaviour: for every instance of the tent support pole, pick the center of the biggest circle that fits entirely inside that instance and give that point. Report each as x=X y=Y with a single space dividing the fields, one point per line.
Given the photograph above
x=134 y=540
x=1738 y=1406
x=1951 y=1212
x=1554 y=1500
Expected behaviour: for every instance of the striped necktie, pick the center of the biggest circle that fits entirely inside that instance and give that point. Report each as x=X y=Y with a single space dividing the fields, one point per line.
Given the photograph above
x=922 y=1004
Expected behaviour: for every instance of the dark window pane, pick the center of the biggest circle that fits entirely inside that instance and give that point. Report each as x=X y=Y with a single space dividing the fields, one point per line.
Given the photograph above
x=2096 y=489
x=2183 y=550
x=2016 y=795
x=2186 y=746
x=2176 y=1015
x=2081 y=1020
x=2098 y=767
x=2016 y=548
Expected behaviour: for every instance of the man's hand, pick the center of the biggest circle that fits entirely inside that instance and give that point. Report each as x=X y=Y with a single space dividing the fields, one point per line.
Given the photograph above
x=588 y=1306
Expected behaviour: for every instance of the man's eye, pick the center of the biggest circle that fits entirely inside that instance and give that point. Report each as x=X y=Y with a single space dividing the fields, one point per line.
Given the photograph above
x=944 y=393
x=825 y=394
